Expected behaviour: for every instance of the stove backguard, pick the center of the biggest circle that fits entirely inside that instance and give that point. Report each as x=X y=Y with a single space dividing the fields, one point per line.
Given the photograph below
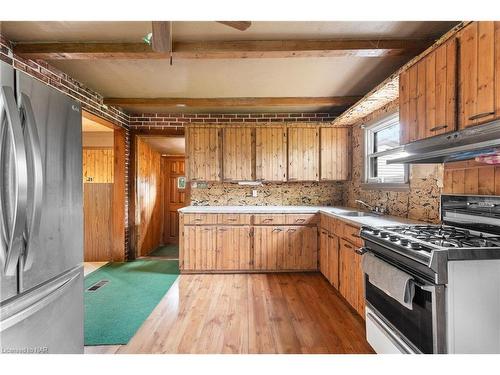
x=473 y=212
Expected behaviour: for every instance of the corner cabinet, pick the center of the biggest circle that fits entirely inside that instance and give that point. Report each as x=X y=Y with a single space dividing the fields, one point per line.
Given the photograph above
x=335 y=153
x=303 y=154
x=203 y=148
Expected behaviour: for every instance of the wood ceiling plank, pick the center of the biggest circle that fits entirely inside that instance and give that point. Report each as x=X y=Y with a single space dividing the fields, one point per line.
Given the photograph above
x=335 y=101
x=222 y=49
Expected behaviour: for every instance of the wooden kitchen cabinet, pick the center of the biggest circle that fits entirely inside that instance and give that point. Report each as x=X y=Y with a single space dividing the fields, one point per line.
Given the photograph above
x=302 y=248
x=351 y=283
x=477 y=73
x=203 y=153
x=270 y=247
x=237 y=151
x=303 y=154
x=199 y=248
x=270 y=153
x=333 y=260
x=233 y=248
x=334 y=153
x=324 y=264
x=428 y=94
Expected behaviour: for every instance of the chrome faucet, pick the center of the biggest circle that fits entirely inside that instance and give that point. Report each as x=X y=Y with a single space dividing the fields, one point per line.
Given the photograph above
x=375 y=209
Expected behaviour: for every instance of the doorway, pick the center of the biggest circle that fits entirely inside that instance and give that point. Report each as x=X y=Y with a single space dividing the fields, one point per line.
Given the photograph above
x=161 y=190
x=103 y=167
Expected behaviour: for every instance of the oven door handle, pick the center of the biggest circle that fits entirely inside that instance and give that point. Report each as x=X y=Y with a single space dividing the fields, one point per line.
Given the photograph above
x=392 y=336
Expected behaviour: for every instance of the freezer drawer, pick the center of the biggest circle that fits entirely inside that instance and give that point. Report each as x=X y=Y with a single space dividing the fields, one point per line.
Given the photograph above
x=47 y=319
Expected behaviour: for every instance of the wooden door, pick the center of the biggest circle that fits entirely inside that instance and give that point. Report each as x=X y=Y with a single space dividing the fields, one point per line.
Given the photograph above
x=237 y=153
x=303 y=154
x=270 y=153
x=203 y=153
x=324 y=263
x=302 y=248
x=233 y=248
x=335 y=154
x=333 y=260
x=477 y=74
x=199 y=250
x=269 y=247
x=173 y=197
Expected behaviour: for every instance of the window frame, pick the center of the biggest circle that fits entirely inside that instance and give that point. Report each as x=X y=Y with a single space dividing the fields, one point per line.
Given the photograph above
x=369 y=131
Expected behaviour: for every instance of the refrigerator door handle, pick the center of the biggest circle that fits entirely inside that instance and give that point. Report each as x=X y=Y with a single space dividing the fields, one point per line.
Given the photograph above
x=35 y=171
x=32 y=301
x=12 y=223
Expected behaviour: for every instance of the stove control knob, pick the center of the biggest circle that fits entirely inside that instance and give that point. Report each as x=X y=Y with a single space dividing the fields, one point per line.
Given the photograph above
x=415 y=245
x=403 y=241
x=384 y=234
x=393 y=238
x=376 y=232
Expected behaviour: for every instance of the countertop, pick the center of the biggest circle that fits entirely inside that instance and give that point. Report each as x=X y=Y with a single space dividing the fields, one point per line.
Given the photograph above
x=336 y=211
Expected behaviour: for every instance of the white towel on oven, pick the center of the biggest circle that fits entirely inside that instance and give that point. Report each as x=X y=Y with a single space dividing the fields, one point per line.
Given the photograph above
x=396 y=283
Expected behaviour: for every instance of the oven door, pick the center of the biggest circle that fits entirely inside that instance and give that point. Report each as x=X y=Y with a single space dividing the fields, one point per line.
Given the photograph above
x=419 y=330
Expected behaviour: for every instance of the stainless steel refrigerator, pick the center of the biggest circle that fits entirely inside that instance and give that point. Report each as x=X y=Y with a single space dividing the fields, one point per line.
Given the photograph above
x=41 y=218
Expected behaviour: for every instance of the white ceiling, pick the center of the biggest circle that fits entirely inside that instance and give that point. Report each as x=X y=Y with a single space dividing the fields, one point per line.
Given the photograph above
x=213 y=78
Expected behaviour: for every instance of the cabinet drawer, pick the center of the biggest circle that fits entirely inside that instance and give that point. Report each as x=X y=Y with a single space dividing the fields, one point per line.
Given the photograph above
x=351 y=234
x=233 y=219
x=301 y=219
x=196 y=219
x=273 y=219
x=337 y=227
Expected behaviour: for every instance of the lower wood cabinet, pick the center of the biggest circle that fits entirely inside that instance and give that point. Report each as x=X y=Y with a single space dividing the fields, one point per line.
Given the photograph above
x=329 y=257
x=351 y=284
x=285 y=248
x=233 y=248
x=199 y=248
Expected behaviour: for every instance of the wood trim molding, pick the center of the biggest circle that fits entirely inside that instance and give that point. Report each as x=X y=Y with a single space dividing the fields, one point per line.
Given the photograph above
x=223 y=49
x=334 y=101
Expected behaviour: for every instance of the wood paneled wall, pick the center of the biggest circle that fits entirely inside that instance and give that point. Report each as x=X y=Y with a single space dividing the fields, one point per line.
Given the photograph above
x=471 y=177
x=149 y=220
x=97 y=221
x=98 y=165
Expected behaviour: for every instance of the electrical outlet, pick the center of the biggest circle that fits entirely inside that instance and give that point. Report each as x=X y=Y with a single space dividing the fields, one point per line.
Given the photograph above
x=254 y=193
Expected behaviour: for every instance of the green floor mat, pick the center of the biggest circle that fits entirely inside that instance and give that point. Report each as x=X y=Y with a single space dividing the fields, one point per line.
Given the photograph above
x=168 y=251
x=115 y=311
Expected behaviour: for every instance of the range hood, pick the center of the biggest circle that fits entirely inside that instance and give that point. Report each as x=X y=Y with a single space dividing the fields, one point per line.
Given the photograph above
x=460 y=145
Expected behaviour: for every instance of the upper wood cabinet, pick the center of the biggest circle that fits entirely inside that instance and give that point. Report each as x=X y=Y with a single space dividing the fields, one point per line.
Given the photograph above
x=303 y=154
x=203 y=153
x=334 y=153
x=427 y=95
x=270 y=153
x=477 y=73
x=237 y=151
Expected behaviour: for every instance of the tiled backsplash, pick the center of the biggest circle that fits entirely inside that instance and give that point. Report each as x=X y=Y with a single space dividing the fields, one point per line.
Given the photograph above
x=269 y=194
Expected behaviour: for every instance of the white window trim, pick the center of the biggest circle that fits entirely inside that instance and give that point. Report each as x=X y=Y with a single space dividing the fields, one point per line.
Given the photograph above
x=368 y=130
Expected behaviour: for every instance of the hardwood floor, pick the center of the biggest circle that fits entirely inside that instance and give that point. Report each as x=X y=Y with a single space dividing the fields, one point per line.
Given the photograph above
x=251 y=313
x=89 y=267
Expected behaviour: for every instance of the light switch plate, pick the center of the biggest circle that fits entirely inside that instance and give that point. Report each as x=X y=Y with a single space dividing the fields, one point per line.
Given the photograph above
x=254 y=193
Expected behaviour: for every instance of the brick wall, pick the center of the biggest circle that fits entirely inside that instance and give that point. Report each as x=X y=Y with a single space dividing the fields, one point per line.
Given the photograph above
x=178 y=120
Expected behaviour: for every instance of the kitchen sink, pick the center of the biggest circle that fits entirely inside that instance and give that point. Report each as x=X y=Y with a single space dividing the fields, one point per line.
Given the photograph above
x=358 y=214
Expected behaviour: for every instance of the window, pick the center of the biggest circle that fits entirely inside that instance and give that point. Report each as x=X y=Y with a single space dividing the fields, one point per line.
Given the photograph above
x=382 y=144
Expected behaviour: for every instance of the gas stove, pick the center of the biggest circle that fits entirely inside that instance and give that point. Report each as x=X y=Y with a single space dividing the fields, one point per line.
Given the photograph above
x=470 y=230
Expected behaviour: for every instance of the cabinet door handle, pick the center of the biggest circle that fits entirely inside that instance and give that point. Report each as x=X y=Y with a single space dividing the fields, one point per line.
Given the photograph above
x=292 y=230
x=436 y=128
x=300 y=220
x=361 y=250
x=231 y=219
x=277 y=230
x=197 y=219
x=356 y=235
x=348 y=246
x=267 y=220
x=481 y=115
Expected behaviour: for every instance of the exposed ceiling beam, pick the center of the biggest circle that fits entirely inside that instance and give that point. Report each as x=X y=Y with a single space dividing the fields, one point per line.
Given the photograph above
x=335 y=101
x=223 y=49
x=162 y=36
x=238 y=25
